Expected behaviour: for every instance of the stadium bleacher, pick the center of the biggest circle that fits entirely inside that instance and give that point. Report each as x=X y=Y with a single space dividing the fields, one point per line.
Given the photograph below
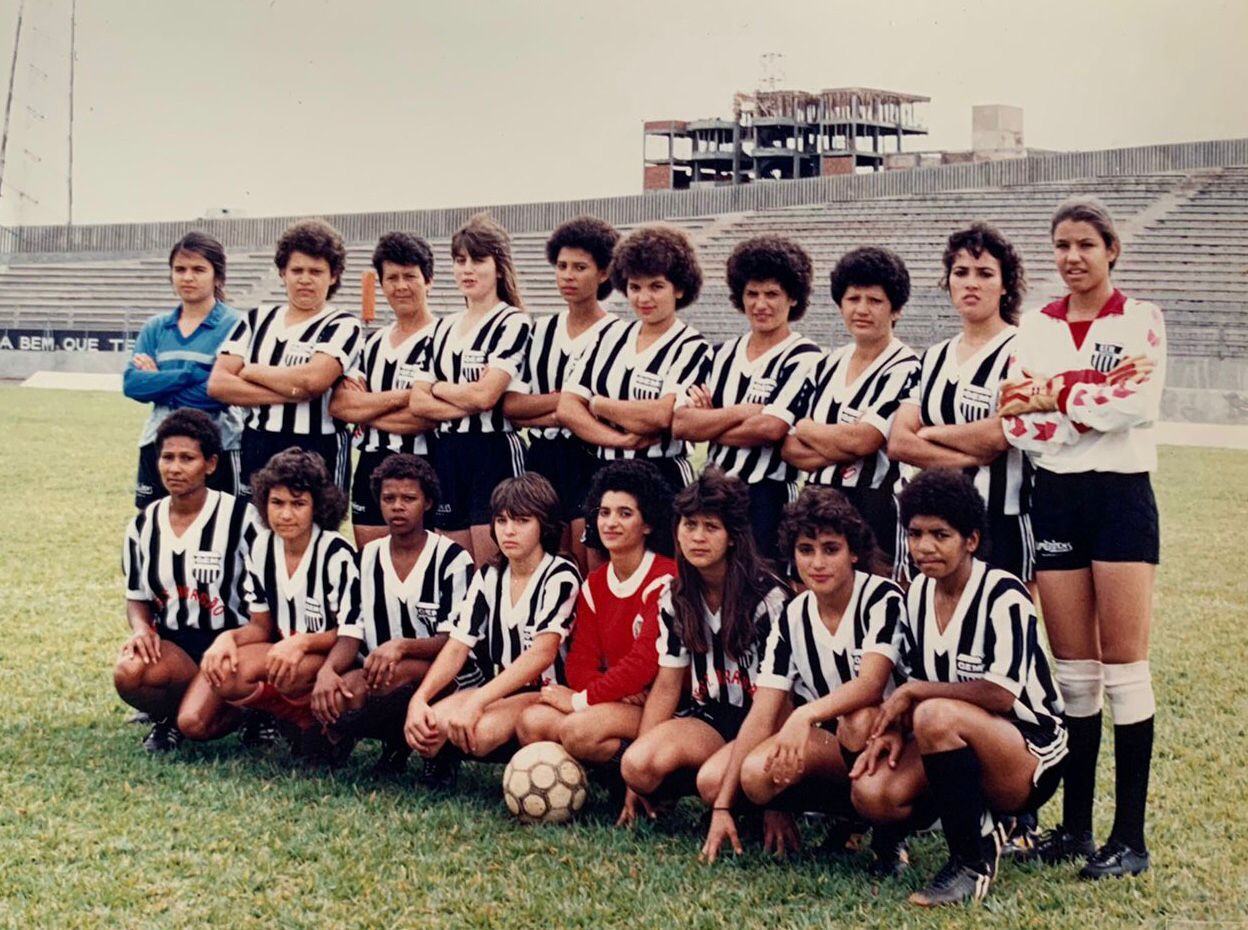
x=1185 y=247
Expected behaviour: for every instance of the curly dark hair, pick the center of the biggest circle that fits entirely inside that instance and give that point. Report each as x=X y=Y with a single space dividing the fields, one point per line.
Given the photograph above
x=771 y=258
x=528 y=495
x=299 y=470
x=977 y=239
x=819 y=509
x=480 y=238
x=947 y=494
x=317 y=239
x=400 y=248
x=653 y=495
x=403 y=466
x=659 y=250
x=747 y=580
x=872 y=265
x=191 y=424
x=1091 y=211
x=210 y=250
x=595 y=236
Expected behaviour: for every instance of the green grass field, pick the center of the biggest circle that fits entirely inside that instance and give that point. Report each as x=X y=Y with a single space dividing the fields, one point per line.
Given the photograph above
x=95 y=833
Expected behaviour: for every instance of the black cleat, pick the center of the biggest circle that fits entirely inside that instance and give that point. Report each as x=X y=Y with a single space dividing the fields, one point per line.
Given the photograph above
x=892 y=859
x=955 y=883
x=163 y=737
x=1022 y=834
x=392 y=762
x=440 y=773
x=844 y=837
x=1060 y=845
x=1114 y=860
x=318 y=751
x=259 y=730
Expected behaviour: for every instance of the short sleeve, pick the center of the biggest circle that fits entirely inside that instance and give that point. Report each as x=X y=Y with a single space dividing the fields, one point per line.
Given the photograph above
x=455 y=581
x=777 y=668
x=671 y=649
x=132 y=562
x=1010 y=629
x=691 y=366
x=886 y=623
x=912 y=390
x=342 y=585
x=340 y=340
x=508 y=348
x=238 y=342
x=469 y=624
x=881 y=407
x=797 y=395
x=557 y=602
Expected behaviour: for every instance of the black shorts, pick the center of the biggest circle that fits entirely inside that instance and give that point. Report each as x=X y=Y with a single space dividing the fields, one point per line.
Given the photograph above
x=569 y=465
x=879 y=508
x=767 y=500
x=470 y=466
x=1044 y=744
x=1011 y=546
x=192 y=641
x=365 y=509
x=1093 y=516
x=676 y=472
x=725 y=719
x=259 y=446
x=148 y=487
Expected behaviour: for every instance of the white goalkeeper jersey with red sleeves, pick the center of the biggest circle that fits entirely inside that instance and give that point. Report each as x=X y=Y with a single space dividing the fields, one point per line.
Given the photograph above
x=1098 y=426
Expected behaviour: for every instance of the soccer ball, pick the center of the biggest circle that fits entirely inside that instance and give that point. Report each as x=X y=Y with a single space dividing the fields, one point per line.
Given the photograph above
x=543 y=784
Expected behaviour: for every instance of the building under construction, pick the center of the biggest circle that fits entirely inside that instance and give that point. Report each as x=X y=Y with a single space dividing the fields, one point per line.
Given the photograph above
x=781 y=134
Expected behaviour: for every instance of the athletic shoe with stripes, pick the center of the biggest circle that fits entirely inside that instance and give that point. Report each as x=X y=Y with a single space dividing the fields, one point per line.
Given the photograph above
x=164 y=736
x=1060 y=845
x=955 y=883
x=1114 y=860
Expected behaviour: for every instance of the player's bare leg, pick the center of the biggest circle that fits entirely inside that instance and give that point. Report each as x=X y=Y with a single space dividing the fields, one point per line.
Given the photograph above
x=681 y=743
x=203 y=715
x=596 y=735
x=498 y=724
x=539 y=722
x=157 y=688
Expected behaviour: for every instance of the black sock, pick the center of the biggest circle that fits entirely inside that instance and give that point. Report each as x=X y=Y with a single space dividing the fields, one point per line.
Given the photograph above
x=1079 y=780
x=1133 y=755
x=954 y=778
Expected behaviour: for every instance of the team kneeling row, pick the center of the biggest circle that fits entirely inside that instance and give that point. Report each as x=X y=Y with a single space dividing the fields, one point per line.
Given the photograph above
x=683 y=665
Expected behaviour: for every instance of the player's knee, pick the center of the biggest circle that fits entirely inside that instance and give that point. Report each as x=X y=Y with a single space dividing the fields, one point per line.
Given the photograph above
x=936 y=718
x=756 y=782
x=530 y=726
x=853 y=729
x=194 y=726
x=710 y=777
x=637 y=767
x=128 y=675
x=875 y=799
x=577 y=734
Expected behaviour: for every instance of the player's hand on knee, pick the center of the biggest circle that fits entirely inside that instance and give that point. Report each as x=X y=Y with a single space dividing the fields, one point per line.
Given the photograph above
x=421 y=728
x=144 y=646
x=780 y=833
x=382 y=664
x=723 y=828
x=897 y=706
x=281 y=665
x=461 y=725
x=883 y=749
x=788 y=753
x=220 y=661
x=557 y=696
x=634 y=804
x=330 y=695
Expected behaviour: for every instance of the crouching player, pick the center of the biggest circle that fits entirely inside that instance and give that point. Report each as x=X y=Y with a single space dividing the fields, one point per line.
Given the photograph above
x=307 y=588
x=980 y=704
x=188 y=578
x=834 y=651
x=410 y=582
x=612 y=659
x=511 y=625
x=714 y=618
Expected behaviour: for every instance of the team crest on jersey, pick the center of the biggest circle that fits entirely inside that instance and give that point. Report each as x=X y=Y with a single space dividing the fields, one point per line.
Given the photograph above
x=1105 y=356
x=297 y=353
x=970 y=666
x=313 y=615
x=404 y=375
x=427 y=614
x=636 y=626
x=760 y=390
x=974 y=402
x=472 y=366
x=206 y=566
x=848 y=415
x=645 y=385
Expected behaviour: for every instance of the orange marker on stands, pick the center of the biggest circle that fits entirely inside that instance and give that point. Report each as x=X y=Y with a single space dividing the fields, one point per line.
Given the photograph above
x=368 y=296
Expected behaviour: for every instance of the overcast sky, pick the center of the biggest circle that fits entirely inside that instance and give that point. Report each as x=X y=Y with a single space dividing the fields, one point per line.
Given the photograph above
x=307 y=106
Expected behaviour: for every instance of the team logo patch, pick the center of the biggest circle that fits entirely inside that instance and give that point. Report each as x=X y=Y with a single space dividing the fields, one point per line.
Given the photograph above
x=636 y=626
x=206 y=566
x=313 y=616
x=848 y=415
x=645 y=385
x=970 y=665
x=974 y=402
x=472 y=366
x=427 y=614
x=760 y=390
x=404 y=375
x=1105 y=355
x=297 y=353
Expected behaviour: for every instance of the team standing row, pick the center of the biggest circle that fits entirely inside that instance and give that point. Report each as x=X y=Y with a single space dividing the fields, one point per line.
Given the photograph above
x=591 y=388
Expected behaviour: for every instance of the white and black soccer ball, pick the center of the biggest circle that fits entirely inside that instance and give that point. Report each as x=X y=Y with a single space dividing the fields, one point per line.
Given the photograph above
x=543 y=784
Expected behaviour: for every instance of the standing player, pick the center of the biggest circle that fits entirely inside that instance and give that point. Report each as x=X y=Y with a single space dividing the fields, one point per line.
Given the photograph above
x=281 y=361
x=621 y=394
x=411 y=581
x=844 y=410
x=376 y=393
x=580 y=251
x=512 y=624
x=1092 y=370
x=714 y=618
x=612 y=660
x=472 y=361
x=834 y=651
x=769 y=279
x=308 y=588
x=173 y=356
x=948 y=416
x=983 y=711
x=188 y=578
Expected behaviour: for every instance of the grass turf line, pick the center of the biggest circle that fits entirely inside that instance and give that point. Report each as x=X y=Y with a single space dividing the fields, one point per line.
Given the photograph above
x=94 y=833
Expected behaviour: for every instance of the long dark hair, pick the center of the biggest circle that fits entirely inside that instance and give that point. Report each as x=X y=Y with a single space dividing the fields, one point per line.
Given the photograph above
x=747 y=579
x=480 y=238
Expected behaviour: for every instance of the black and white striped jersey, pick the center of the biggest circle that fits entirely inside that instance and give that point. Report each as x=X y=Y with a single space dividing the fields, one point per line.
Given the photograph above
x=826 y=396
x=948 y=394
x=261 y=337
x=802 y=656
x=415 y=607
x=201 y=580
x=714 y=676
x=498 y=631
x=992 y=635
x=551 y=355
x=383 y=366
x=323 y=592
x=612 y=367
x=772 y=379
x=498 y=342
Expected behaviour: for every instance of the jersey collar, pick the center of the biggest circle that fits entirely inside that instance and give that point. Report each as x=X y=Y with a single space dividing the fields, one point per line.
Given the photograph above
x=1115 y=306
